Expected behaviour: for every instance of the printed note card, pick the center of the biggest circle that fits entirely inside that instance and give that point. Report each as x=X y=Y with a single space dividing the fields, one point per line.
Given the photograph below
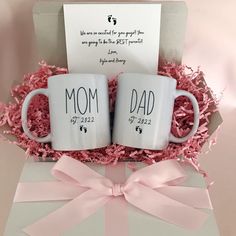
x=110 y=38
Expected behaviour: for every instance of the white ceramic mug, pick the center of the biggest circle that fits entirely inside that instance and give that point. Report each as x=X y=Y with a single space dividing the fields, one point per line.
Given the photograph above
x=79 y=112
x=144 y=110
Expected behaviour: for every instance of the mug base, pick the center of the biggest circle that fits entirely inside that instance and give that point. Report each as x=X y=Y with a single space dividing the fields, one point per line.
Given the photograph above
x=79 y=148
x=146 y=147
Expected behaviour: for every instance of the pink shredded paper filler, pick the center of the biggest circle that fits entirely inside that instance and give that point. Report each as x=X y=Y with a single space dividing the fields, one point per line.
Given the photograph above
x=38 y=119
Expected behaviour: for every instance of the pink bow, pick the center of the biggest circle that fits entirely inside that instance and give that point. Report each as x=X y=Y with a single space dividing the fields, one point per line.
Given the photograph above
x=152 y=189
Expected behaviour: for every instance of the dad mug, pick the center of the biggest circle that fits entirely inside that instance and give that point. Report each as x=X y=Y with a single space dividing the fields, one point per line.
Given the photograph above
x=79 y=112
x=144 y=109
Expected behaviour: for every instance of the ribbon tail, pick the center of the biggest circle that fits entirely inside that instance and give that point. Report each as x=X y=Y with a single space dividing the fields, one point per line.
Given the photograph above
x=47 y=191
x=68 y=216
x=164 y=207
x=191 y=196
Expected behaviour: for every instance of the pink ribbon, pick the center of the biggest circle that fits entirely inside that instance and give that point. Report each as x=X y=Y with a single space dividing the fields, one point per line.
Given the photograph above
x=154 y=189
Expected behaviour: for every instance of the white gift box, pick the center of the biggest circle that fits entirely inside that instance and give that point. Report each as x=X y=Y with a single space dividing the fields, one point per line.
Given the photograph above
x=48 y=18
x=137 y=222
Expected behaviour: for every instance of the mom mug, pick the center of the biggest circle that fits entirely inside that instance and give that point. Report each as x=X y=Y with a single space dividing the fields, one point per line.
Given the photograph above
x=79 y=112
x=144 y=110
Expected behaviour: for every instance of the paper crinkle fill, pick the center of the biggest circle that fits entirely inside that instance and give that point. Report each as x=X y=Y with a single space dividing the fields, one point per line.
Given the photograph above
x=39 y=125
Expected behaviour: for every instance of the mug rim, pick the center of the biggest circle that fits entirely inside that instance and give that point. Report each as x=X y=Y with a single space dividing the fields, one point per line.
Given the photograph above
x=85 y=76
x=148 y=76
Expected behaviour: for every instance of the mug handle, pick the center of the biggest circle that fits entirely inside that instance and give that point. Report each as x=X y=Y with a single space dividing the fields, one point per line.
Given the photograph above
x=24 y=112
x=196 y=117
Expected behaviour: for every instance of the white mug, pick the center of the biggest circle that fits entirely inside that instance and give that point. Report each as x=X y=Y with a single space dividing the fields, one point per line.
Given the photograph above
x=79 y=112
x=144 y=110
